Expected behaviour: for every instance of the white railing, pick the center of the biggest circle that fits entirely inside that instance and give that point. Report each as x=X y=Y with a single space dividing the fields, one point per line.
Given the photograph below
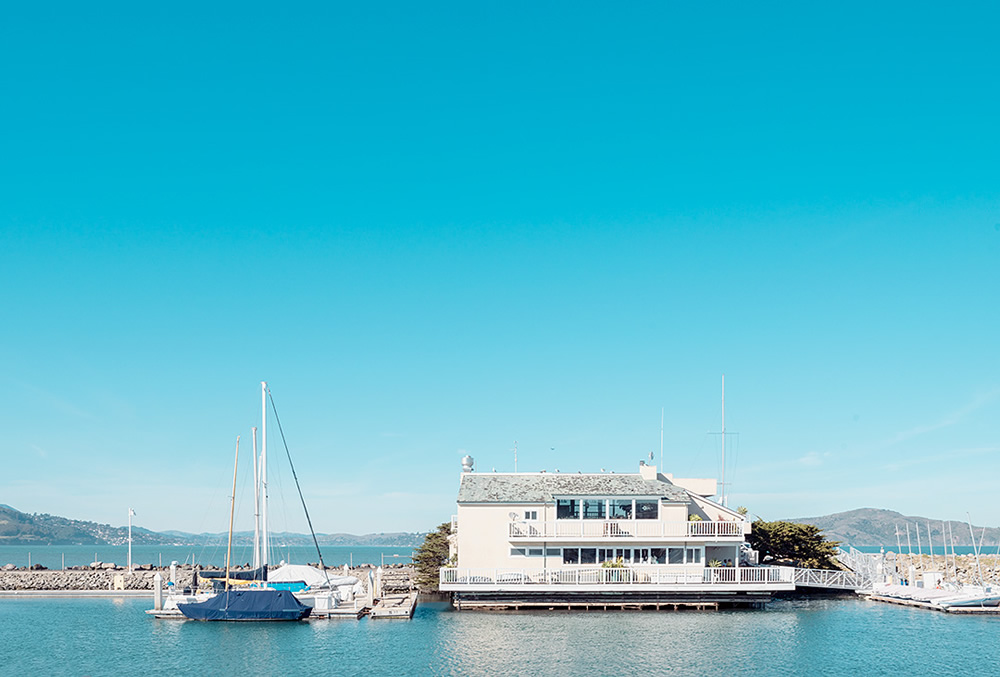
x=827 y=578
x=626 y=529
x=639 y=575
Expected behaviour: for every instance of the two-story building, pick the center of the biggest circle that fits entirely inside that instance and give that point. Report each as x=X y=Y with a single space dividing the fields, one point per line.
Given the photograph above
x=607 y=539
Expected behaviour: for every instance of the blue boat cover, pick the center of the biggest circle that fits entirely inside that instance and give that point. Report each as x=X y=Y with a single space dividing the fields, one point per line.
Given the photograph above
x=248 y=605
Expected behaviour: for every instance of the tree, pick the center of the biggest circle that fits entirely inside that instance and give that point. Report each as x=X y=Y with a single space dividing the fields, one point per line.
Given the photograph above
x=801 y=544
x=431 y=556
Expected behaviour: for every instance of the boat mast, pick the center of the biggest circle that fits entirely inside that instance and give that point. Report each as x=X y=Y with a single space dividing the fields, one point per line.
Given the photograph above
x=975 y=549
x=256 y=504
x=263 y=474
x=232 y=510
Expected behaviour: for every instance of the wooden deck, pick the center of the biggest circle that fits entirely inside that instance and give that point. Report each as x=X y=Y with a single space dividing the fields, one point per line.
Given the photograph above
x=395 y=606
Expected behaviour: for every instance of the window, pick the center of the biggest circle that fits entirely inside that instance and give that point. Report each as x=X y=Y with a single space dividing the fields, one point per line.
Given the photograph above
x=694 y=556
x=552 y=552
x=658 y=555
x=571 y=555
x=594 y=508
x=530 y=514
x=567 y=509
x=605 y=555
x=588 y=555
x=517 y=552
x=675 y=555
x=646 y=509
x=534 y=552
x=620 y=509
x=640 y=556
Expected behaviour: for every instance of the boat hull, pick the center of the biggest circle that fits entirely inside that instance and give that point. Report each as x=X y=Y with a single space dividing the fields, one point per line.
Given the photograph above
x=247 y=605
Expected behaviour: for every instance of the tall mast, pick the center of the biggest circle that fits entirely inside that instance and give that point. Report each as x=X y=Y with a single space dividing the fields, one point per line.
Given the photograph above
x=263 y=475
x=723 y=440
x=232 y=510
x=256 y=504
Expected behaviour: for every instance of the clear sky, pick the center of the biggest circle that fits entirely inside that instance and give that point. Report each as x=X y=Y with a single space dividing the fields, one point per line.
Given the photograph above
x=436 y=229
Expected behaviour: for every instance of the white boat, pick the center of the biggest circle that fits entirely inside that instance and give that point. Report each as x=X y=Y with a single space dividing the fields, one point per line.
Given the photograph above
x=971 y=596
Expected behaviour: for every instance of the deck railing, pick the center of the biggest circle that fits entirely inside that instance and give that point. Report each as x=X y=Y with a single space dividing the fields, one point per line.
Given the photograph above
x=626 y=529
x=639 y=575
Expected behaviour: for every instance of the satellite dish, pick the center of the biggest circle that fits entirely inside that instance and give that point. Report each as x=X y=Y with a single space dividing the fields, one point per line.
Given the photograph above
x=512 y=515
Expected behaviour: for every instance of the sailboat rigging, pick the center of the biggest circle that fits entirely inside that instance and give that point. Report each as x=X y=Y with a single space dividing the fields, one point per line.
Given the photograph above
x=288 y=592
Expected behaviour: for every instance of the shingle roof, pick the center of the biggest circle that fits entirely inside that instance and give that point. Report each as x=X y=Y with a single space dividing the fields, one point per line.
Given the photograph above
x=543 y=487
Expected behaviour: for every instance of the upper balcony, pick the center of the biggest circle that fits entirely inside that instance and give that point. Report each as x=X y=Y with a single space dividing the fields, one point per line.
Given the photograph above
x=575 y=529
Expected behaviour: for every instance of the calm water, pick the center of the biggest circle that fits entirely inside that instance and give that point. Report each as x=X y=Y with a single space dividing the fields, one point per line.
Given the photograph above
x=113 y=636
x=51 y=556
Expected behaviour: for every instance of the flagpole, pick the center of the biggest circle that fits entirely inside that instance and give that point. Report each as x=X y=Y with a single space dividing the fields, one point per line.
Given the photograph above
x=130 y=513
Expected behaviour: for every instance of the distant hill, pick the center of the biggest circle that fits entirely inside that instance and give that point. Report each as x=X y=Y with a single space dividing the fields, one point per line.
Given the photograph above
x=874 y=526
x=19 y=528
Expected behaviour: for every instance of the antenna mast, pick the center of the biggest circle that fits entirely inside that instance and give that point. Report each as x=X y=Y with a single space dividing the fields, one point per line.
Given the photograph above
x=662 y=466
x=723 y=440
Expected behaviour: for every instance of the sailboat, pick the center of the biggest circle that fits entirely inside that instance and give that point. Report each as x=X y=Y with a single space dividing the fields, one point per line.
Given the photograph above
x=261 y=594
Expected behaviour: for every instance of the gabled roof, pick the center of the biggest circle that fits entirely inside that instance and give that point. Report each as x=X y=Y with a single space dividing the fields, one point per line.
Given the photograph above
x=545 y=487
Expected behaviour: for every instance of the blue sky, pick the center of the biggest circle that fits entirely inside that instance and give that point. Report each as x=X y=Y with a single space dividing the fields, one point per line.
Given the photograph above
x=435 y=230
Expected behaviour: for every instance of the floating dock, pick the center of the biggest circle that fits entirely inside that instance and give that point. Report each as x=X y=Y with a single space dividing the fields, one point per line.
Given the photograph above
x=395 y=606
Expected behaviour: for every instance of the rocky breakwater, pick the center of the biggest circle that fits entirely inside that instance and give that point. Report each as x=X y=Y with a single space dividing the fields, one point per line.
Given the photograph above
x=98 y=576
x=962 y=568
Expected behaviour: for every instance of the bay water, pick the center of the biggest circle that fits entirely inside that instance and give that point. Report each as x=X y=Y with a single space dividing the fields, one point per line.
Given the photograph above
x=53 y=556
x=112 y=636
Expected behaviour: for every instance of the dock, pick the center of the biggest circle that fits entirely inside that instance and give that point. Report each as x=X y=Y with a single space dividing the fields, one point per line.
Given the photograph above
x=395 y=606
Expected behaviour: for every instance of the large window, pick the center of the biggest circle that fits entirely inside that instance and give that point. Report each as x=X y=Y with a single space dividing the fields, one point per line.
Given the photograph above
x=588 y=555
x=646 y=509
x=594 y=508
x=620 y=508
x=571 y=555
x=605 y=508
x=567 y=509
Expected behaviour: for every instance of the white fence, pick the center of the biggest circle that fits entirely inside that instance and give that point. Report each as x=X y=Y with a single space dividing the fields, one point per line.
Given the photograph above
x=785 y=577
x=626 y=529
x=639 y=575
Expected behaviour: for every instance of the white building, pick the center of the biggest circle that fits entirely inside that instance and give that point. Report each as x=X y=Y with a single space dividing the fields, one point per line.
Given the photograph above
x=555 y=539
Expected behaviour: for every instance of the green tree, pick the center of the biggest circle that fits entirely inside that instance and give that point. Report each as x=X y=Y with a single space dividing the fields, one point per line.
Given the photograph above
x=801 y=544
x=431 y=556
